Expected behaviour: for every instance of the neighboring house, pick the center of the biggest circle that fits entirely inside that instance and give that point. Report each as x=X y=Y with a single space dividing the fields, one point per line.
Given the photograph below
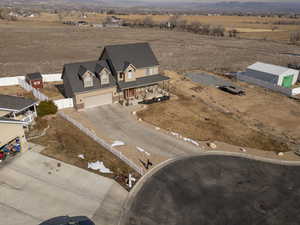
x=17 y=108
x=277 y=75
x=127 y=74
x=35 y=80
x=12 y=137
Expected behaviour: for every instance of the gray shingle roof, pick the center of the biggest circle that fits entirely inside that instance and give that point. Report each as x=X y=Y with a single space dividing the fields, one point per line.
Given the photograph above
x=268 y=68
x=34 y=76
x=139 y=54
x=142 y=81
x=14 y=103
x=71 y=72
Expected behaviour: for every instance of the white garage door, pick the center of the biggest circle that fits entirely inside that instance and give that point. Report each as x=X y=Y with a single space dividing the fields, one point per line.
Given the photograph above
x=97 y=100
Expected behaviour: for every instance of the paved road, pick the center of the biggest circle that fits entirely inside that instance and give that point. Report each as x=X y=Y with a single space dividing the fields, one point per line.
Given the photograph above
x=216 y=189
x=118 y=124
x=33 y=188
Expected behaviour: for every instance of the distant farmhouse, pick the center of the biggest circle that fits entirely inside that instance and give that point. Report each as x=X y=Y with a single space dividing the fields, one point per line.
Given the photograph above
x=127 y=74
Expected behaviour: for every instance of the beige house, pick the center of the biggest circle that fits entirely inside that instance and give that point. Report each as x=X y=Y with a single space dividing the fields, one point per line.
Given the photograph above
x=13 y=139
x=127 y=74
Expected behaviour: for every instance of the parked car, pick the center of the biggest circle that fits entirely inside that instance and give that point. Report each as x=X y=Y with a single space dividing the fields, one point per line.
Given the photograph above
x=66 y=220
x=159 y=99
x=294 y=66
x=297 y=152
x=232 y=90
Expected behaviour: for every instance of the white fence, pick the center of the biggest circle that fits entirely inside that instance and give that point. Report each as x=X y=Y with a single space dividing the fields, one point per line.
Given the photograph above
x=103 y=143
x=51 y=77
x=64 y=103
x=34 y=91
x=11 y=81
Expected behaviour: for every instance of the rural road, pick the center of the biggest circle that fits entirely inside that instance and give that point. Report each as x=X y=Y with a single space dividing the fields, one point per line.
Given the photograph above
x=118 y=124
x=35 y=188
x=216 y=189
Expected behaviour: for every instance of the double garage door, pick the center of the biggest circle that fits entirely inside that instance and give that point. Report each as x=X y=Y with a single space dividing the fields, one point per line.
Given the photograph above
x=97 y=100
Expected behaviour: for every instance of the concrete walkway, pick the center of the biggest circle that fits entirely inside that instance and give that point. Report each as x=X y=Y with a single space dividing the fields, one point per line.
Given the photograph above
x=35 y=188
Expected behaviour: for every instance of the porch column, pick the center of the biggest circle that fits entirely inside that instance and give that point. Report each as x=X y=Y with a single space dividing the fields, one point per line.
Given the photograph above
x=34 y=106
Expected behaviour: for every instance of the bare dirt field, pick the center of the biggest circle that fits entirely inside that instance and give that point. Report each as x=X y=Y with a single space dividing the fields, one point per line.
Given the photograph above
x=65 y=142
x=261 y=119
x=28 y=46
x=254 y=27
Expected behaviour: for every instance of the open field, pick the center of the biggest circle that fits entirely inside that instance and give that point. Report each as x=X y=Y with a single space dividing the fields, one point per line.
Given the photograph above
x=261 y=119
x=249 y=26
x=65 y=142
x=45 y=47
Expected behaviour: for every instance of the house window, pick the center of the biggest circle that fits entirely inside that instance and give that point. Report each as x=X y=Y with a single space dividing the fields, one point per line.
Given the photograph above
x=104 y=78
x=88 y=82
x=129 y=74
x=121 y=76
x=149 y=71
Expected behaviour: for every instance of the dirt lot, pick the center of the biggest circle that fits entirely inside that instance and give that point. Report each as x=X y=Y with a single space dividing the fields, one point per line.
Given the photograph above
x=261 y=119
x=45 y=47
x=65 y=142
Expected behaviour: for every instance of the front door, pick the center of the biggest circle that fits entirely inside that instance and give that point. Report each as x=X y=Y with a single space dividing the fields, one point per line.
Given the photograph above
x=287 y=81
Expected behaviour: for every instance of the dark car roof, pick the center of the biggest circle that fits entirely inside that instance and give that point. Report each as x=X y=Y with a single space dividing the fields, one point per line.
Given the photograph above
x=34 y=76
x=64 y=220
x=14 y=103
x=138 y=54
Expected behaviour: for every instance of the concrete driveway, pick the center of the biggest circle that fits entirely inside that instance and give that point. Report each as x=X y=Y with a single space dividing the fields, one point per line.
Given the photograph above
x=35 y=188
x=117 y=123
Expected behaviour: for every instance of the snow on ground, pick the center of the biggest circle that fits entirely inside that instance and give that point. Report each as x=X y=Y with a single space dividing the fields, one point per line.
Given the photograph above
x=99 y=166
x=143 y=150
x=117 y=143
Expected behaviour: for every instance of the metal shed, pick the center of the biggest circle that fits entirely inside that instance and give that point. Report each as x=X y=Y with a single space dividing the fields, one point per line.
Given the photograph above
x=278 y=75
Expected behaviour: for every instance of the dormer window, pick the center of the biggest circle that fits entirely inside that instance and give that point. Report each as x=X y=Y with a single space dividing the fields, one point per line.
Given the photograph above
x=86 y=76
x=88 y=81
x=130 y=74
x=104 y=76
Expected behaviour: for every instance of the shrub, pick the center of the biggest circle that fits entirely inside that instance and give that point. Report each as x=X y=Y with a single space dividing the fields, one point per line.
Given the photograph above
x=46 y=108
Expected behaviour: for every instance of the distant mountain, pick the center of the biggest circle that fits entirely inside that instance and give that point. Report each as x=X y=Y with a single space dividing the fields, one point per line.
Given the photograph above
x=167 y=5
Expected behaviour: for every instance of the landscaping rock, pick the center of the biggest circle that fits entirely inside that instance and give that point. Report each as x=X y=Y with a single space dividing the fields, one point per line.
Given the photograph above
x=212 y=145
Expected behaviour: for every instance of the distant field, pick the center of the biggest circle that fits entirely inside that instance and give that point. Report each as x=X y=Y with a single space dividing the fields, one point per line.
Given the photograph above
x=258 y=27
x=29 y=46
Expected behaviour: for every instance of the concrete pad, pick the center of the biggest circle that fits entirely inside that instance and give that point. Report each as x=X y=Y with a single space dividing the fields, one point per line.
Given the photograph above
x=34 y=188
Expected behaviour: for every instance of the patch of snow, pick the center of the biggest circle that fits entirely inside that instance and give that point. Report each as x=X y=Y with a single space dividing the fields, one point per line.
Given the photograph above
x=99 y=166
x=117 y=143
x=191 y=141
x=81 y=156
x=143 y=150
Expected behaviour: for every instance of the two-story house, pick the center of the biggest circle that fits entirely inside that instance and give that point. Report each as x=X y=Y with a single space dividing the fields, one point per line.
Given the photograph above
x=124 y=73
